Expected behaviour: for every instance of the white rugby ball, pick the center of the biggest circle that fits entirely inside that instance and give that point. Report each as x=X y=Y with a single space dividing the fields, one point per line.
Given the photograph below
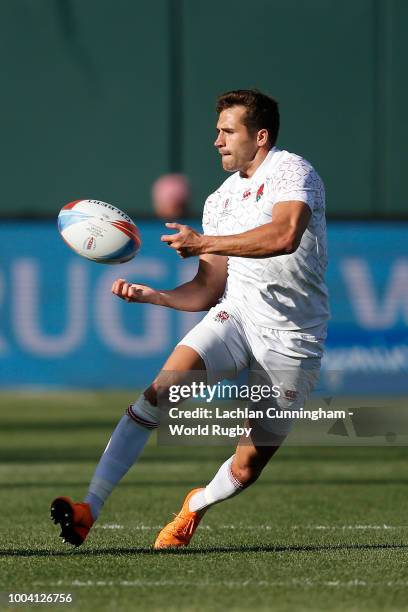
x=99 y=231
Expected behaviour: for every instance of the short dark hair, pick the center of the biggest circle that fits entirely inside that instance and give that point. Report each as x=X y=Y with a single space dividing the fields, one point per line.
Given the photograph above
x=262 y=110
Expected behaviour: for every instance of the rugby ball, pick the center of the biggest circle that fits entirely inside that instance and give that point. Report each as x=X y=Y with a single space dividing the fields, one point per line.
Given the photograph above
x=99 y=231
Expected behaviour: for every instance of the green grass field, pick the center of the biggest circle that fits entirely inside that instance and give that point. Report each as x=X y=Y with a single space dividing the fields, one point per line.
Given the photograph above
x=324 y=528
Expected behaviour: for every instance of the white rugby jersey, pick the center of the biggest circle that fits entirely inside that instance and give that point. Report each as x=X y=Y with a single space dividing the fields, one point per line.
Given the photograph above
x=287 y=292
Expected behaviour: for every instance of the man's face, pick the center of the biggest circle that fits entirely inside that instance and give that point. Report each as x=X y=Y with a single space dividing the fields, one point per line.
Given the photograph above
x=236 y=145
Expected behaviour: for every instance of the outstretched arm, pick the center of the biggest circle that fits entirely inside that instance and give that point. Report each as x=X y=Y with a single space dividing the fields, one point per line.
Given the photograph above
x=281 y=236
x=201 y=293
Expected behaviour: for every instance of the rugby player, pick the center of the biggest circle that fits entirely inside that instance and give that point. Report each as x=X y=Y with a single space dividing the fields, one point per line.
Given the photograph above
x=262 y=259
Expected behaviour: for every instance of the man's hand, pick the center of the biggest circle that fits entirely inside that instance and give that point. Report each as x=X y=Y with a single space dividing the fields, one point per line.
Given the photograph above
x=131 y=292
x=187 y=242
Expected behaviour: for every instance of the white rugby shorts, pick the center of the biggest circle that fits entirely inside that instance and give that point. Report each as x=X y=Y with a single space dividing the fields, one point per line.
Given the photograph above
x=228 y=343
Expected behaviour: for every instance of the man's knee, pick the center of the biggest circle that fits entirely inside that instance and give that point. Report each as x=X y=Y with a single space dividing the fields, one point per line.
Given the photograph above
x=249 y=461
x=151 y=394
x=246 y=470
x=157 y=394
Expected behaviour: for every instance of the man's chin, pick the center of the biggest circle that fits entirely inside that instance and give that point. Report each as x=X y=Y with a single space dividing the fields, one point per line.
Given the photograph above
x=228 y=164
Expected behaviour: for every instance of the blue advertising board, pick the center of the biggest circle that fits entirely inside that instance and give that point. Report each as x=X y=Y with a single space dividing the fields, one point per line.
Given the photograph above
x=62 y=328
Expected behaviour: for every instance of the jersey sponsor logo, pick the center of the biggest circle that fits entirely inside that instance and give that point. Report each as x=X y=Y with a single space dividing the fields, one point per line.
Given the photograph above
x=246 y=194
x=259 y=193
x=221 y=316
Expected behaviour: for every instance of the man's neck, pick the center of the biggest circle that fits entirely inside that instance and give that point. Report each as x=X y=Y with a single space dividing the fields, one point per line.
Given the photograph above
x=254 y=164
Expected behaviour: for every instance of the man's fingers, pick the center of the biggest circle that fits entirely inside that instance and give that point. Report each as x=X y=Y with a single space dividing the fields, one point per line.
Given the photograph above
x=117 y=285
x=129 y=292
x=169 y=238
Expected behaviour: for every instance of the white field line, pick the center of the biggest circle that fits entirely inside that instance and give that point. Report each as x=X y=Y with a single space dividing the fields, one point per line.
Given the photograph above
x=294 y=582
x=345 y=527
x=357 y=527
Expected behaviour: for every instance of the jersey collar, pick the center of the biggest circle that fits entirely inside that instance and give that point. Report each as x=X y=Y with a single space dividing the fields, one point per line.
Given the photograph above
x=262 y=167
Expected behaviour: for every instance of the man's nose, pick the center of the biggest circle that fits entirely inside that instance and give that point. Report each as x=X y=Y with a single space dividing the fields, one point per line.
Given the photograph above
x=218 y=141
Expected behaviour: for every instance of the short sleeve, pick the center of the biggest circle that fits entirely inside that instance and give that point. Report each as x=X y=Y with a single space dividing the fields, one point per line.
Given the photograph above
x=296 y=179
x=210 y=215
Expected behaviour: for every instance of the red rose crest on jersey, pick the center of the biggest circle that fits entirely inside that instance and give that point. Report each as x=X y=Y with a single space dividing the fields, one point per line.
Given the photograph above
x=221 y=316
x=259 y=193
x=291 y=395
x=246 y=194
x=227 y=201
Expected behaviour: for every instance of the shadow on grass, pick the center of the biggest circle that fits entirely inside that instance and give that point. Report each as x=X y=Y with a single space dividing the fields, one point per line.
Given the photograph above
x=294 y=548
x=193 y=483
x=197 y=454
x=59 y=426
x=92 y=453
x=67 y=485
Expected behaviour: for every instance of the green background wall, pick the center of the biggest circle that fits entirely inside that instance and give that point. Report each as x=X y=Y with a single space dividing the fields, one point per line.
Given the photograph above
x=99 y=97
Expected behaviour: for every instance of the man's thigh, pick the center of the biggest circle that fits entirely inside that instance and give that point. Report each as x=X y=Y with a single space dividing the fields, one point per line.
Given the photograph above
x=220 y=342
x=213 y=350
x=182 y=367
x=290 y=386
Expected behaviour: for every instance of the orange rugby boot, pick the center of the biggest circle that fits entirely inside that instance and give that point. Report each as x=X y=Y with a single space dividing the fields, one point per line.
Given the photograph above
x=181 y=529
x=75 y=519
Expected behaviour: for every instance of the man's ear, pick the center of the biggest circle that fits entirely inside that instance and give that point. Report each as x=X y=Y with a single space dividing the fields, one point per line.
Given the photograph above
x=262 y=138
